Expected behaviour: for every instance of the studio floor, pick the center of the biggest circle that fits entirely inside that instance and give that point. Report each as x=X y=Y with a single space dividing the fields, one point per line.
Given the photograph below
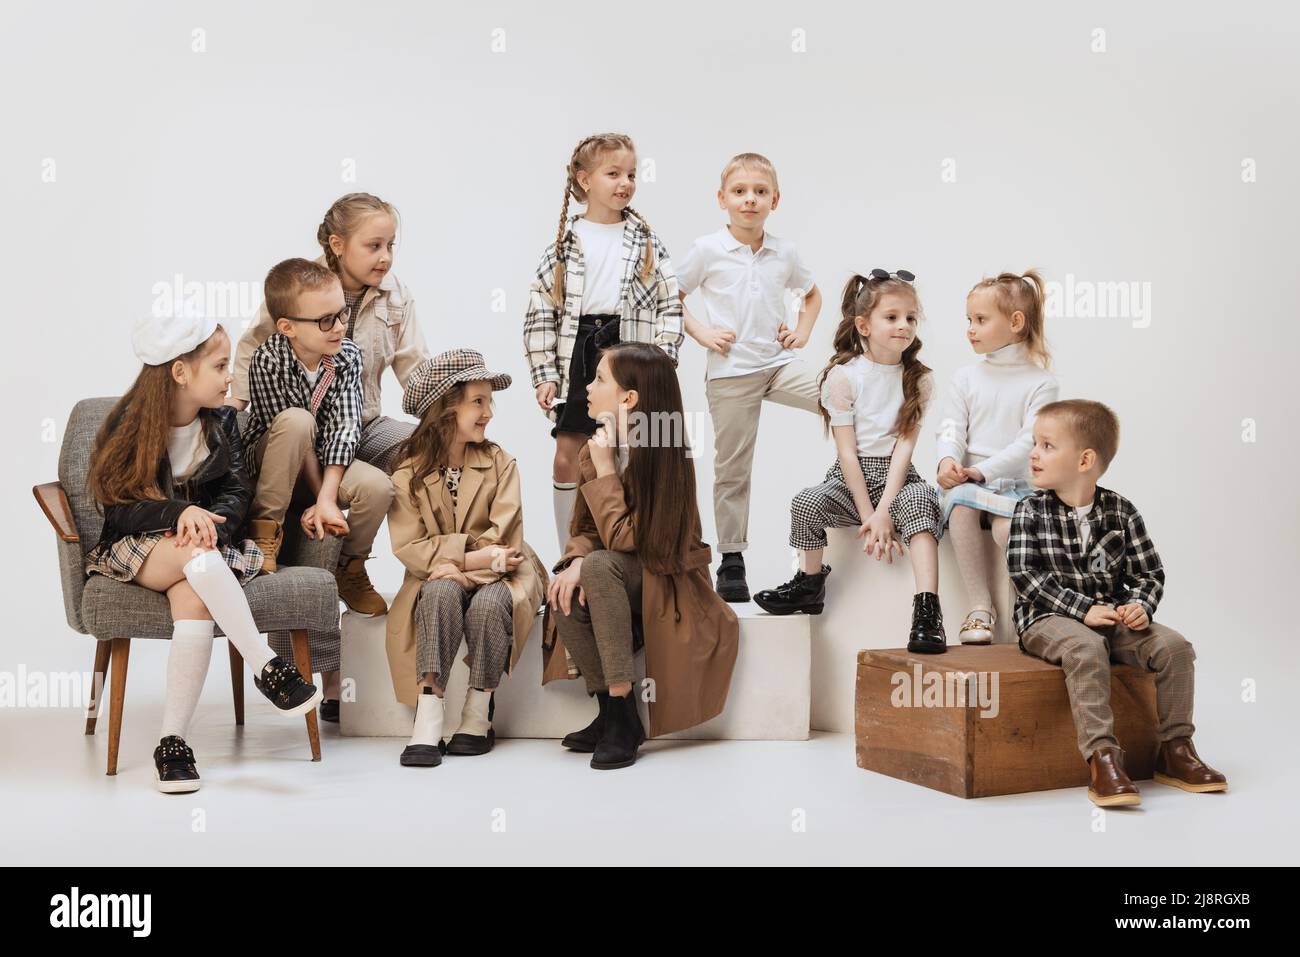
x=740 y=802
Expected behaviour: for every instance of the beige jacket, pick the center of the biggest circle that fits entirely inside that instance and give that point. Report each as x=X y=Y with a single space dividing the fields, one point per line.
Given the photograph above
x=489 y=511
x=385 y=329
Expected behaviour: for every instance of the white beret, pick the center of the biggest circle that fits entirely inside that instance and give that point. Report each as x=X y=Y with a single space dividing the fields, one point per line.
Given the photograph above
x=160 y=339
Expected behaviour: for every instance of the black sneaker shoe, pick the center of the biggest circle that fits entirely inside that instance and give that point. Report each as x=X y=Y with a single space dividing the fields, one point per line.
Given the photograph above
x=624 y=733
x=731 y=585
x=329 y=710
x=173 y=764
x=805 y=593
x=286 y=688
x=927 y=636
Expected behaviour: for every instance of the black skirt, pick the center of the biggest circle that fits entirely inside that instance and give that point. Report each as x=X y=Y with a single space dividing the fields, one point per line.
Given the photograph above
x=596 y=333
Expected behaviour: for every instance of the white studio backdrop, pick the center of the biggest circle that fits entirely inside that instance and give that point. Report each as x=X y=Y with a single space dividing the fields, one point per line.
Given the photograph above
x=151 y=147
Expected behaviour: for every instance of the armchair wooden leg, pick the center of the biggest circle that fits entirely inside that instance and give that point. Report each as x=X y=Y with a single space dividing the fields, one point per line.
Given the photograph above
x=99 y=679
x=237 y=682
x=121 y=653
x=302 y=658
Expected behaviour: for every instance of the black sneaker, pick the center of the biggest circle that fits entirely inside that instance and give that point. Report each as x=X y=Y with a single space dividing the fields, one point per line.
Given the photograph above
x=173 y=764
x=329 y=710
x=927 y=635
x=731 y=578
x=805 y=593
x=286 y=688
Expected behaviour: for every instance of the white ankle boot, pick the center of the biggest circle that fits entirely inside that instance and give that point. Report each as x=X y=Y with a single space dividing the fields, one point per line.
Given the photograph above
x=423 y=749
x=475 y=734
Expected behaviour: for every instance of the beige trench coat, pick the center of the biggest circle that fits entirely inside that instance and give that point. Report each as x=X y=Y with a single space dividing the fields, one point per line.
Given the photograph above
x=489 y=512
x=691 y=635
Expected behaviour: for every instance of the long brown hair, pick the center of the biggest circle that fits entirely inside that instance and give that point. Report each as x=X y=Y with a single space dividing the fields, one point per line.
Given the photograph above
x=1026 y=293
x=861 y=294
x=133 y=437
x=342 y=218
x=427 y=448
x=659 y=481
x=586 y=156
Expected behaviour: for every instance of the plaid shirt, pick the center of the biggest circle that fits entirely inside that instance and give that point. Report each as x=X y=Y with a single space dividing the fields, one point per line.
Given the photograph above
x=277 y=381
x=649 y=312
x=1053 y=574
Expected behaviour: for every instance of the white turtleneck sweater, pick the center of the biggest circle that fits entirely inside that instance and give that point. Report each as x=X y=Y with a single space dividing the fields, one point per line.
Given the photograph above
x=988 y=414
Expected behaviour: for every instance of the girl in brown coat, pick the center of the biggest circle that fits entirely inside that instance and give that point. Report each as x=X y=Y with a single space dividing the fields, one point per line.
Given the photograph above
x=634 y=551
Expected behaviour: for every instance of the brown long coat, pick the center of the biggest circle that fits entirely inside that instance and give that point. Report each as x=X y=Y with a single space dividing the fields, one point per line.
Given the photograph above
x=489 y=512
x=691 y=635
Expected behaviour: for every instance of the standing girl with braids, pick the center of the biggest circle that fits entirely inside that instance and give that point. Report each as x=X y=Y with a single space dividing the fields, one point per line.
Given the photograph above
x=987 y=430
x=874 y=393
x=606 y=278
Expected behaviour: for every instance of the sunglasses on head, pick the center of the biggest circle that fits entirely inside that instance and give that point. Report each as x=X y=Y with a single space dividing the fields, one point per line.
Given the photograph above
x=880 y=275
x=326 y=323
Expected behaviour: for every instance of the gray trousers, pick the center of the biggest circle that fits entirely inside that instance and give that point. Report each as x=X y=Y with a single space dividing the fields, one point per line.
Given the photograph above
x=446 y=613
x=599 y=635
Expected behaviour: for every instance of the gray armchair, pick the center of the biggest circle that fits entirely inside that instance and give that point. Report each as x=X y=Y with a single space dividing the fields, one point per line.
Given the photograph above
x=298 y=606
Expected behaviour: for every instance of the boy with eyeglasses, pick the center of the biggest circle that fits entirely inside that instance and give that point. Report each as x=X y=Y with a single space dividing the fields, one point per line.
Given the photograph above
x=304 y=423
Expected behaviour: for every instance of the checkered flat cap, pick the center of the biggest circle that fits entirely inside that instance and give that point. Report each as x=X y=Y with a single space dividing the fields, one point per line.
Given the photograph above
x=434 y=378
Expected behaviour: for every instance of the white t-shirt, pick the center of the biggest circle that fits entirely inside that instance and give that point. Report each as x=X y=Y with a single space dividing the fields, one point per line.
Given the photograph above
x=866 y=395
x=988 y=414
x=745 y=291
x=602 y=262
x=311 y=376
x=1085 y=523
x=187 y=448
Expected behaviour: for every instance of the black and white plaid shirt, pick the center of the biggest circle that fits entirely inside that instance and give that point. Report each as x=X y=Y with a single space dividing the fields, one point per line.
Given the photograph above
x=277 y=381
x=1056 y=574
x=650 y=311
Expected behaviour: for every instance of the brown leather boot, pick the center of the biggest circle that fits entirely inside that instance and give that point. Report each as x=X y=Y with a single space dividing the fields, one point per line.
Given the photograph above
x=355 y=588
x=1108 y=785
x=269 y=535
x=1179 y=766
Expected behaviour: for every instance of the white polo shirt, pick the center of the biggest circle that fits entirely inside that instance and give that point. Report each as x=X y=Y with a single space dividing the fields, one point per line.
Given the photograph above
x=745 y=291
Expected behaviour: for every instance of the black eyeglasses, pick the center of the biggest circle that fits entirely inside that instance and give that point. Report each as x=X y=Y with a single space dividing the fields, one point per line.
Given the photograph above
x=880 y=275
x=326 y=323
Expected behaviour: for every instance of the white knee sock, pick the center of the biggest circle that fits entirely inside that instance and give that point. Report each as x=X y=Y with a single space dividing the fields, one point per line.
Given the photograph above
x=214 y=582
x=564 y=495
x=187 y=666
x=474 y=716
x=428 y=720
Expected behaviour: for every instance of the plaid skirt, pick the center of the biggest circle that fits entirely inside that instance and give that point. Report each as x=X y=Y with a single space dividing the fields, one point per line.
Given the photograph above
x=996 y=498
x=121 y=560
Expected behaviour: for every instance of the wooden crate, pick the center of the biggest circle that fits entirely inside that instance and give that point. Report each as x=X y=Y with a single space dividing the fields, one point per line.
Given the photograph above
x=1029 y=745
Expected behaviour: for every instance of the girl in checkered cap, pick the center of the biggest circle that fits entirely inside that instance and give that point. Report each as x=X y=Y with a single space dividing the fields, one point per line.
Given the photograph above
x=606 y=278
x=874 y=393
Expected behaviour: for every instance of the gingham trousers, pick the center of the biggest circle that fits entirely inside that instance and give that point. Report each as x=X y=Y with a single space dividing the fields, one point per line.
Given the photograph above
x=446 y=613
x=915 y=508
x=1085 y=654
x=380 y=438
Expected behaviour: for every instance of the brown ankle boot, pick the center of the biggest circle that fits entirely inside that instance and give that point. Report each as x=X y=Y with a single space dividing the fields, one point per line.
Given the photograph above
x=269 y=535
x=1108 y=785
x=1179 y=766
x=355 y=588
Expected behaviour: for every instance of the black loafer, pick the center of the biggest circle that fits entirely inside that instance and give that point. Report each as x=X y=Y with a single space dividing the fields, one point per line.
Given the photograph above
x=422 y=755
x=731 y=585
x=329 y=710
x=803 y=593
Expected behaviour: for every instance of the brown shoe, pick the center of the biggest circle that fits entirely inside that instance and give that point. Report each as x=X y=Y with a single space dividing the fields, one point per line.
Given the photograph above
x=1108 y=785
x=1179 y=766
x=269 y=535
x=355 y=588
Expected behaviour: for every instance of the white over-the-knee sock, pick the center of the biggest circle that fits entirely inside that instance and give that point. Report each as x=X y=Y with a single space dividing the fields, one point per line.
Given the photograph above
x=187 y=666
x=564 y=495
x=968 y=543
x=214 y=582
x=428 y=720
x=474 y=716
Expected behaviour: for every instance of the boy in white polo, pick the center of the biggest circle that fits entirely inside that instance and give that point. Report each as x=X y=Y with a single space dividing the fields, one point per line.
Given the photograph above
x=743 y=273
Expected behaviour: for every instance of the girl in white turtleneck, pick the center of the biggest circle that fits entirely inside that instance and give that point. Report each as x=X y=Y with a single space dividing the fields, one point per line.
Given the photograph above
x=986 y=432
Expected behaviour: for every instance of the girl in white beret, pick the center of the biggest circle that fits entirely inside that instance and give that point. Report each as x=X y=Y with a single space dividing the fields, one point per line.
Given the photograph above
x=169 y=470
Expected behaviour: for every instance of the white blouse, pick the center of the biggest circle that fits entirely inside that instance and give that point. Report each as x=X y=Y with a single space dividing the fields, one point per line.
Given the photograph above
x=866 y=395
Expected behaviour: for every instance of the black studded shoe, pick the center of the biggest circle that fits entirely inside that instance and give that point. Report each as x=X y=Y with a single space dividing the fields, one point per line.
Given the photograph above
x=732 y=586
x=927 y=635
x=805 y=593
x=173 y=764
x=286 y=688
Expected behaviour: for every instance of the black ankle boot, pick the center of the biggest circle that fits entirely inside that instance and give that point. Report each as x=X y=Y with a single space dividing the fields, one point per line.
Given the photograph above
x=927 y=636
x=623 y=735
x=286 y=688
x=585 y=741
x=805 y=593
x=731 y=585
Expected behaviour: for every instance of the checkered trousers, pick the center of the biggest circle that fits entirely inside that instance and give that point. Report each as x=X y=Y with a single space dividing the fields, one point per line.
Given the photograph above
x=830 y=505
x=446 y=614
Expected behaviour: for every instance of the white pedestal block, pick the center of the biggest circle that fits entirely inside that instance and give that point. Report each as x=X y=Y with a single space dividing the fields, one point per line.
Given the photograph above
x=769 y=700
x=869 y=605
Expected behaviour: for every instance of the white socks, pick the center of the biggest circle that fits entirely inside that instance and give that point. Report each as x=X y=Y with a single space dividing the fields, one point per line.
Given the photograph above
x=564 y=495
x=474 y=716
x=214 y=582
x=187 y=667
x=428 y=720
x=968 y=543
